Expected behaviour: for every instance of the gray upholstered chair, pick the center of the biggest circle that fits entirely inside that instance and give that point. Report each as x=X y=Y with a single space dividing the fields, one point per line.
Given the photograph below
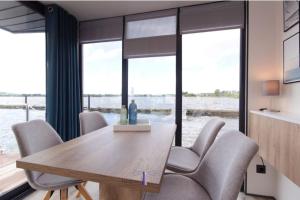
x=35 y=136
x=185 y=160
x=219 y=175
x=91 y=121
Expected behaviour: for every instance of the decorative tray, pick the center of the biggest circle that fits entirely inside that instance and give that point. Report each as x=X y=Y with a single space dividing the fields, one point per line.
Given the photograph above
x=143 y=125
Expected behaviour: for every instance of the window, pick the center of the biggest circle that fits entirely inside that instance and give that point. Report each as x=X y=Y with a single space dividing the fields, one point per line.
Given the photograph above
x=210 y=80
x=151 y=27
x=102 y=78
x=150 y=34
x=210 y=65
x=22 y=81
x=151 y=83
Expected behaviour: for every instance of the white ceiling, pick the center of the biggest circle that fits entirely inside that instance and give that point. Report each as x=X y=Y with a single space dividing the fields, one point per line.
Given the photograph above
x=87 y=10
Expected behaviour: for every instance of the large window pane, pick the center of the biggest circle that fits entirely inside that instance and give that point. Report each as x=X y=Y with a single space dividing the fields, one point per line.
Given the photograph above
x=102 y=78
x=22 y=81
x=210 y=76
x=151 y=83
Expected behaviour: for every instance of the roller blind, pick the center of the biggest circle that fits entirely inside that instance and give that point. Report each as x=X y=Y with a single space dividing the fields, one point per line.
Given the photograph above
x=102 y=30
x=150 y=34
x=213 y=16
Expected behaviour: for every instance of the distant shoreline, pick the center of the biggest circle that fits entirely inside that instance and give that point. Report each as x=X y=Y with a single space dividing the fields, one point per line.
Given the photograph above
x=225 y=94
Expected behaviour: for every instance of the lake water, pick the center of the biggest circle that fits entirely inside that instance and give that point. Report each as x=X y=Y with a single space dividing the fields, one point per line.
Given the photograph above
x=190 y=128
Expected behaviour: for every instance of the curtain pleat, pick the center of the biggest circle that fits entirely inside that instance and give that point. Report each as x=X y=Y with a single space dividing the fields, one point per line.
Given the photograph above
x=63 y=74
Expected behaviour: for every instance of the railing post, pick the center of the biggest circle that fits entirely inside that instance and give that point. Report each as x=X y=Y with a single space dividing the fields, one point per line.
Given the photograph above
x=27 y=108
x=27 y=112
x=89 y=102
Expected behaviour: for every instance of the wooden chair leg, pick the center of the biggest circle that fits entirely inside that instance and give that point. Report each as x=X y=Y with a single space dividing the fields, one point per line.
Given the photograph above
x=78 y=193
x=64 y=194
x=48 y=195
x=83 y=192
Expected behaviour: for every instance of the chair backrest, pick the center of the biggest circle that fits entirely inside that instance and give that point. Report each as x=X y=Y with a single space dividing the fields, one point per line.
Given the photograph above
x=32 y=137
x=91 y=121
x=207 y=136
x=222 y=168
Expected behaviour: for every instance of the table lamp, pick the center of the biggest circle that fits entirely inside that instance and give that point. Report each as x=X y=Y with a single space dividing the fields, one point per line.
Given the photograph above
x=270 y=88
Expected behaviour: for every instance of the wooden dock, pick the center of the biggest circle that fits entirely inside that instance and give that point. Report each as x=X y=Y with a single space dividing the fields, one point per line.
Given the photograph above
x=162 y=111
x=212 y=113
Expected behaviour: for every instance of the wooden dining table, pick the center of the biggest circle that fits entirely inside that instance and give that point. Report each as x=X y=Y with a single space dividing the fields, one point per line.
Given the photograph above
x=125 y=164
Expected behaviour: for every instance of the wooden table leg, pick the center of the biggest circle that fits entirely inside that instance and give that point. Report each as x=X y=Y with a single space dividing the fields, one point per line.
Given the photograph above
x=108 y=192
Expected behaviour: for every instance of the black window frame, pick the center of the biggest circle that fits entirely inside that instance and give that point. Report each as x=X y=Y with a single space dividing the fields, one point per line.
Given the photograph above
x=178 y=96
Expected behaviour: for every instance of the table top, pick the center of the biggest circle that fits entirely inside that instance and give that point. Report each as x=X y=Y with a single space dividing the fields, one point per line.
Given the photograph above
x=111 y=158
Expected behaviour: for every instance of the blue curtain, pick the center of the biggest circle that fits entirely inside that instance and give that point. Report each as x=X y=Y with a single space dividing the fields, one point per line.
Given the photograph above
x=63 y=73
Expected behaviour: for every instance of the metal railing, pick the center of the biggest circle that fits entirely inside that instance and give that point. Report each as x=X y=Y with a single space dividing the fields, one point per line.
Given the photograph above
x=26 y=105
x=39 y=107
x=188 y=112
x=89 y=101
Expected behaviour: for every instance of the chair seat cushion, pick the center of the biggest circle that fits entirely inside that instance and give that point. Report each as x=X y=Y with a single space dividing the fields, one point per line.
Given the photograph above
x=178 y=187
x=182 y=160
x=54 y=182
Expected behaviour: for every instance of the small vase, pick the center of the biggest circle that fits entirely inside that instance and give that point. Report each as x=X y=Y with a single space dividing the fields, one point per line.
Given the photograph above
x=132 y=111
x=123 y=115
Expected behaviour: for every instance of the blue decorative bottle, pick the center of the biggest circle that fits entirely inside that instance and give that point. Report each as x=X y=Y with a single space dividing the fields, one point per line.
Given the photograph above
x=132 y=112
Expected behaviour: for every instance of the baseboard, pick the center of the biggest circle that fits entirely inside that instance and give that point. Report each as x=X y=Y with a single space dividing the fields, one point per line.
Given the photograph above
x=24 y=194
x=257 y=195
x=18 y=193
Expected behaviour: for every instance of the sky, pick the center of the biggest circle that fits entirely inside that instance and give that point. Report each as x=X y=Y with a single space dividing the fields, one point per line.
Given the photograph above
x=22 y=63
x=154 y=75
x=210 y=62
x=102 y=68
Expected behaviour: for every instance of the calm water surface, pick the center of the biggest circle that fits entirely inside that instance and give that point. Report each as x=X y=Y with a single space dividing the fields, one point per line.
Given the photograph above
x=191 y=125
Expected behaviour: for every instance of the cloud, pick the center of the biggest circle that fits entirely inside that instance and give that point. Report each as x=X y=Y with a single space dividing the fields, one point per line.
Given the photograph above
x=210 y=61
x=103 y=52
x=22 y=64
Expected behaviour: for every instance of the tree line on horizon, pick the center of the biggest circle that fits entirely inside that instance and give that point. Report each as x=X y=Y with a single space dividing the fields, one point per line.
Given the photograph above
x=216 y=93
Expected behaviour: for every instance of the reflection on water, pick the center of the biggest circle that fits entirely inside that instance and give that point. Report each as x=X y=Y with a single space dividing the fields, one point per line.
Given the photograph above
x=8 y=118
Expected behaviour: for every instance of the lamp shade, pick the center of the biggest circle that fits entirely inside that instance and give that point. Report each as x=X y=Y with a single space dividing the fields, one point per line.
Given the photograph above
x=270 y=88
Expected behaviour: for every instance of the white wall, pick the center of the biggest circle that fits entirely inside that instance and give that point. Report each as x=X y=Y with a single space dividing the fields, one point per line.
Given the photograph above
x=265 y=62
x=261 y=66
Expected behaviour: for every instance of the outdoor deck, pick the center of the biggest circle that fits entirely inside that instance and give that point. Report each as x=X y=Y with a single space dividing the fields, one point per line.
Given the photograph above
x=10 y=176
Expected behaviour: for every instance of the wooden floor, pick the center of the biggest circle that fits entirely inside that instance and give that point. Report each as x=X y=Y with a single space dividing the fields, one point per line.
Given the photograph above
x=94 y=192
